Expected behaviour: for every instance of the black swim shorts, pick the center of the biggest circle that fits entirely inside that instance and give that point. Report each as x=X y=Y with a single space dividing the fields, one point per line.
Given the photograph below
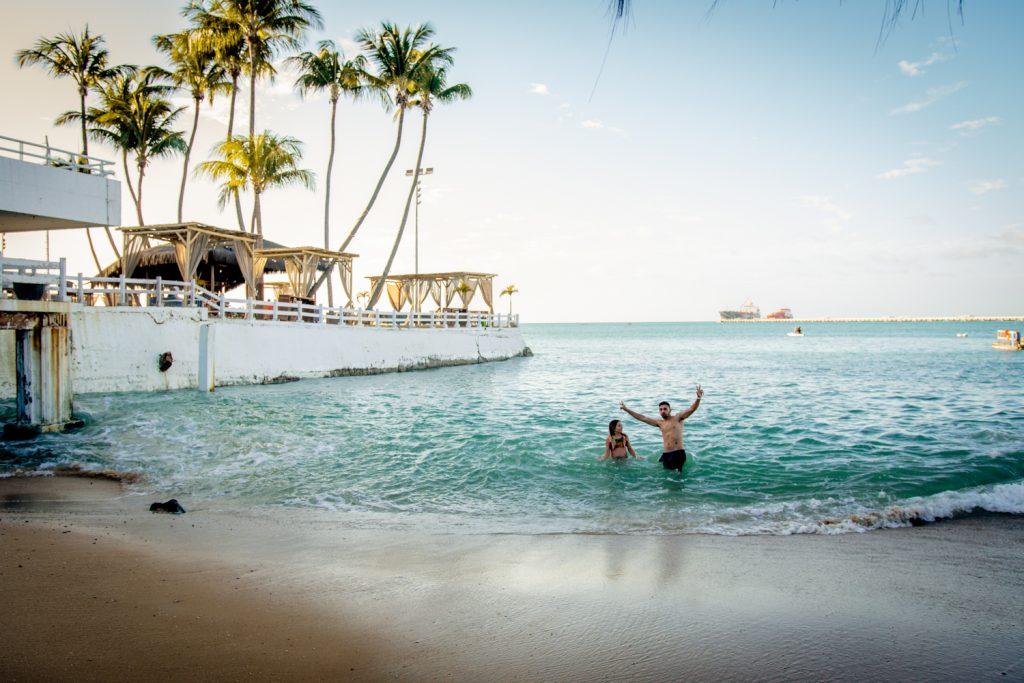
x=673 y=460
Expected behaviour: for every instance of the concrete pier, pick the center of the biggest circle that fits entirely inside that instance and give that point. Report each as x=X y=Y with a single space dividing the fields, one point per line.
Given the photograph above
x=42 y=366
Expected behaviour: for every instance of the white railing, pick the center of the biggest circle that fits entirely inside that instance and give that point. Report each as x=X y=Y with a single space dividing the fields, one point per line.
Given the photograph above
x=52 y=156
x=40 y=275
x=122 y=291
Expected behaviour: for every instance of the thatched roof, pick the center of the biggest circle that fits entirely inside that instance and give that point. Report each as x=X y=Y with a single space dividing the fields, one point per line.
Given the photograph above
x=158 y=261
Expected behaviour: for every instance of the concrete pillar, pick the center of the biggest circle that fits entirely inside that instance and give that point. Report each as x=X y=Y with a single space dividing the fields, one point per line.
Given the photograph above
x=42 y=368
x=207 y=379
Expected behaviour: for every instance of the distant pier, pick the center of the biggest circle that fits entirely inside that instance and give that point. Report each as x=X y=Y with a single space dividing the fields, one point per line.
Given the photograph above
x=892 y=319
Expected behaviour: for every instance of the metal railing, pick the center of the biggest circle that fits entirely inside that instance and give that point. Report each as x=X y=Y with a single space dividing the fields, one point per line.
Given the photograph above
x=52 y=156
x=122 y=291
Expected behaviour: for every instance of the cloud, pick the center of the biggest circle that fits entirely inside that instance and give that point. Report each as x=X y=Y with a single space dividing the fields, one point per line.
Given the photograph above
x=983 y=186
x=834 y=216
x=917 y=68
x=538 y=89
x=348 y=46
x=972 y=126
x=932 y=96
x=909 y=167
x=592 y=124
x=1008 y=243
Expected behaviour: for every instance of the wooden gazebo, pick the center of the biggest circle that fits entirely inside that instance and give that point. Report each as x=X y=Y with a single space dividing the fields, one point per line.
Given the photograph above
x=441 y=287
x=191 y=242
x=302 y=265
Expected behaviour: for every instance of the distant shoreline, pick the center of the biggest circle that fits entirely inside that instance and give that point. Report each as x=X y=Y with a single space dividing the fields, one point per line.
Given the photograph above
x=891 y=319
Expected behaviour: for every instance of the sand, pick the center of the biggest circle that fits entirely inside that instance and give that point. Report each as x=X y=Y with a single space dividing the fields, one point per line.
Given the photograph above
x=95 y=587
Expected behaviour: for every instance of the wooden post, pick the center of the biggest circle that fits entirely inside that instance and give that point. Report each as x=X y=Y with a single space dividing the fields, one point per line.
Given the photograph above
x=159 y=291
x=121 y=300
x=81 y=289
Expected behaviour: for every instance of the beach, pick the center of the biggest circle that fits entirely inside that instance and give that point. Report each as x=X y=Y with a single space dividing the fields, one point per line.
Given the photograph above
x=98 y=588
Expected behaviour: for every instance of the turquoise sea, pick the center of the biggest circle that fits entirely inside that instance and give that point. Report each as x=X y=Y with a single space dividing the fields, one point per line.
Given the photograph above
x=853 y=427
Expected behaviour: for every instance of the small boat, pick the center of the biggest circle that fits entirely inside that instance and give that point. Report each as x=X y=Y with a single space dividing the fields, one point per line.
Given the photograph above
x=1008 y=340
x=797 y=332
x=961 y=334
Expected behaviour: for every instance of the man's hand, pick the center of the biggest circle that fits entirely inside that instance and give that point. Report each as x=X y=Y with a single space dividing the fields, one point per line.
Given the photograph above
x=700 y=393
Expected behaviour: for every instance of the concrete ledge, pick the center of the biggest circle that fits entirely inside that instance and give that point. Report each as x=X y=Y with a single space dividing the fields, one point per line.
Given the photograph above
x=34 y=196
x=118 y=349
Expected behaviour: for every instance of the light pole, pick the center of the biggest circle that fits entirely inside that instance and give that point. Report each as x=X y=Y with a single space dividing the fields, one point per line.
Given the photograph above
x=416 y=222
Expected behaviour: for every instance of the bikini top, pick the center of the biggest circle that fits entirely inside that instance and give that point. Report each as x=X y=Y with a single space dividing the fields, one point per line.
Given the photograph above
x=618 y=441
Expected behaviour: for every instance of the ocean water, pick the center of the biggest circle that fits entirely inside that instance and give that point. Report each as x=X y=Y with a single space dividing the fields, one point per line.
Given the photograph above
x=854 y=427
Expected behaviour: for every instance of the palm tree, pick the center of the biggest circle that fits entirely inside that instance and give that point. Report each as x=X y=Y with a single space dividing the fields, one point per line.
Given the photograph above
x=265 y=26
x=328 y=70
x=230 y=51
x=399 y=56
x=430 y=87
x=196 y=70
x=509 y=291
x=84 y=59
x=135 y=115
x=257 y=164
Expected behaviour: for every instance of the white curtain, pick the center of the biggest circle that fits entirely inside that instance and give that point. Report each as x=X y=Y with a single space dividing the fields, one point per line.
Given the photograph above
x=131 y=256
x=396 y=295
x=449 y=291
x=190 y=252
x=345 y=271
x=435 y=292
x=486 y=289
x=470 y=290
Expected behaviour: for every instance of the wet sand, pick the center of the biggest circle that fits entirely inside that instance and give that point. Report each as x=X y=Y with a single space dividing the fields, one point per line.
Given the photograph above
x=95 y=587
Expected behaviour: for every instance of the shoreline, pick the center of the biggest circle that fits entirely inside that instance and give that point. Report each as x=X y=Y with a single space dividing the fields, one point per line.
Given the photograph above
x=139 y=594
x=887 y=319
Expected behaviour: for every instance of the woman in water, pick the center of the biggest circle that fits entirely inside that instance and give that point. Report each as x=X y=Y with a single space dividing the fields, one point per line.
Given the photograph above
x=617 y=443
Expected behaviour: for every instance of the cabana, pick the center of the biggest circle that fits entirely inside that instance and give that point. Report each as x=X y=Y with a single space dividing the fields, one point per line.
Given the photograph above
x=302 y=264
x=192 y=243
x=441 y=287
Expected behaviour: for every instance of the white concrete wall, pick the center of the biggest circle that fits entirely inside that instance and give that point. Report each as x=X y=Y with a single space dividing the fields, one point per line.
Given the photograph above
x=34 y=196
x=117 y=349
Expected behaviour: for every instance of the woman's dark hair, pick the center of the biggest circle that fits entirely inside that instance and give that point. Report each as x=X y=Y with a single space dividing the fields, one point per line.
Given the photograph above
x=611 y=426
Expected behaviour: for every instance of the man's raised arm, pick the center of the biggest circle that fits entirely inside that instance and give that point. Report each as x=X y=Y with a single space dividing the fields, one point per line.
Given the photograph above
x=693 y=406
x=637 y=416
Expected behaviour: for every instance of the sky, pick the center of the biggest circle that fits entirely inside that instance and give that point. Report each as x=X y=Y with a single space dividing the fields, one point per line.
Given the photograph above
x=771 y=151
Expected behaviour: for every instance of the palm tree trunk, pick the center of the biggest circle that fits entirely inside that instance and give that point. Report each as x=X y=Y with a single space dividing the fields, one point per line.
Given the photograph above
x=327 y=204
x=405 y=216
x=231 y=130
x=257 y=227
x=188 y=152
x=92 y=248
x=373 y=198
x=82 y=92
x=257 y=216
x=138 y=205
x=380 y=183
x=252 y=89
x=128 y=179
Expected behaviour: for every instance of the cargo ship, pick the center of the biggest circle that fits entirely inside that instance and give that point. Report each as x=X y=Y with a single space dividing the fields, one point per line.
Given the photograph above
x=748 y=311
x=781 y=314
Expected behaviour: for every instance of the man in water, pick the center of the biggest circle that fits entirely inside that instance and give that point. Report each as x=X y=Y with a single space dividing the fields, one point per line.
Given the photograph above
x=671 y=427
